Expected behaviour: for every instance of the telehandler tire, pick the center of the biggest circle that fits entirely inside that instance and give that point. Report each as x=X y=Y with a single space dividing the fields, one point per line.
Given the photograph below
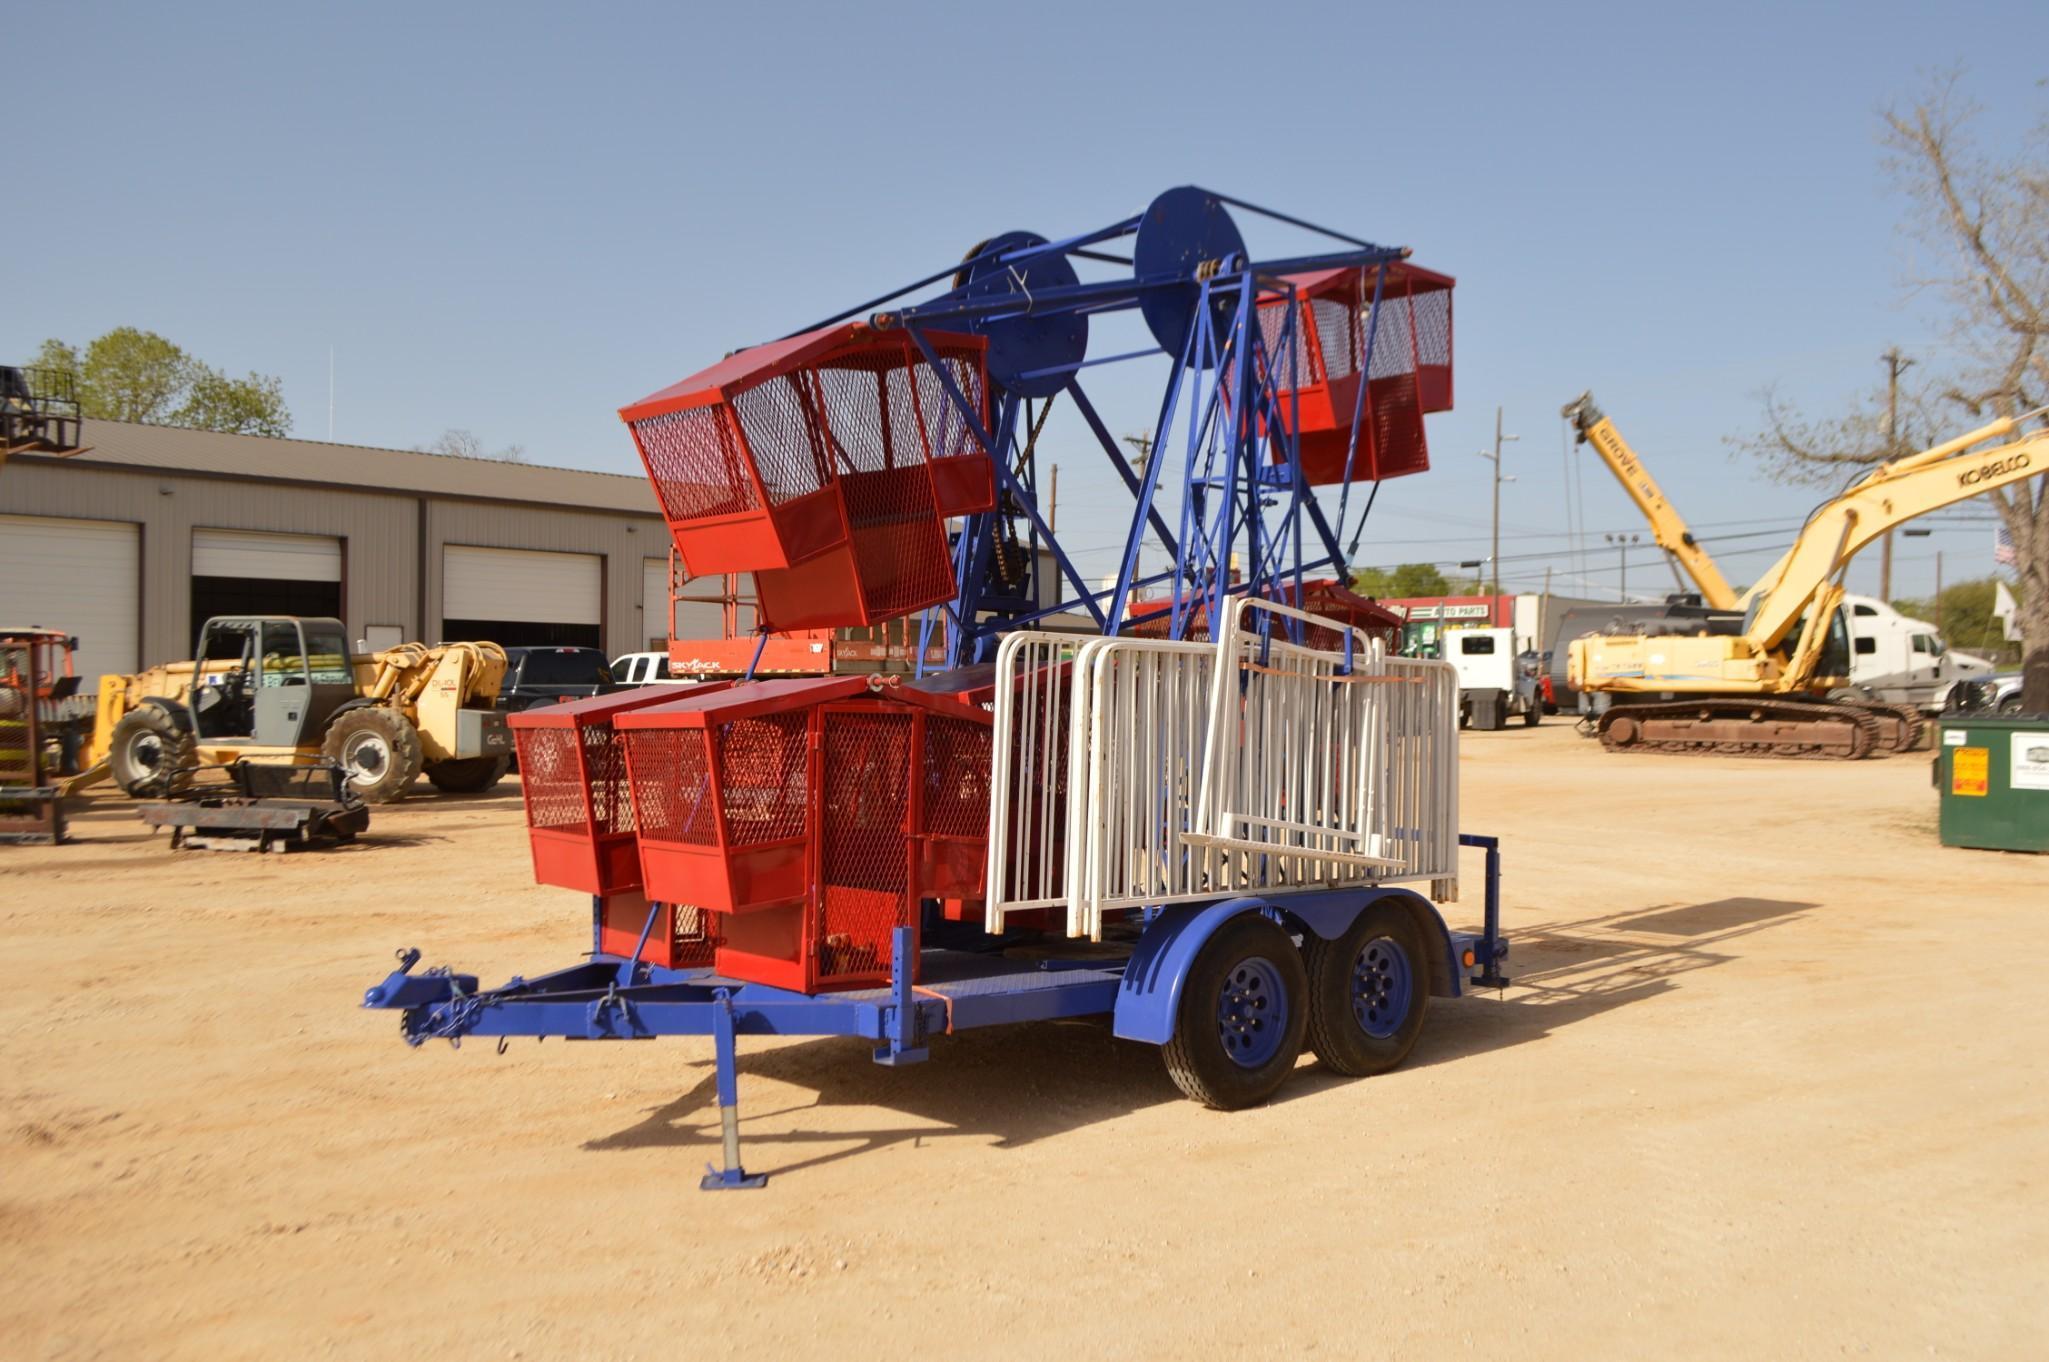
x=471 y=775
x=379 y=750
x=150 y=753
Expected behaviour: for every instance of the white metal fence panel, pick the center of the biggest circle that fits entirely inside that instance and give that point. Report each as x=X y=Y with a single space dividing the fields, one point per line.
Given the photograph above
x=1330 y=769
x=1140 y=729
x=1028 y=782
x=1133 y=773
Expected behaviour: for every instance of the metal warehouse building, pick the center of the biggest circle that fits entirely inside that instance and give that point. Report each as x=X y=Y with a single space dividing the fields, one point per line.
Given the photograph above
x=134 y=542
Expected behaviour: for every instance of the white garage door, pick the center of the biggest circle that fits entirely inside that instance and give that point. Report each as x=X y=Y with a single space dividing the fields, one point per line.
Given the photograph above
x=81 y=576
x=521 y=584
x=272 y=557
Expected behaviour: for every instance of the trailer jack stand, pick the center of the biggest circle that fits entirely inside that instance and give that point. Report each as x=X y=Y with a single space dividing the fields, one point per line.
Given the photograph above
x=732 y=1177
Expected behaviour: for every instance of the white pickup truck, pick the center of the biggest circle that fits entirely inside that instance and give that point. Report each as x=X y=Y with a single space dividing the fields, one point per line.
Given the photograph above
x=1493 y=680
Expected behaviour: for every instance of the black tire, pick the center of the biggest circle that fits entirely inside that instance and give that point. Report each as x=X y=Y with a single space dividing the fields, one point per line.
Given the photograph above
x=471 y=775
x=1533 y=716
x=378 y=749
x=150 y=753
x=2011 y=704
x=1254 y=965
x=1351 y=1028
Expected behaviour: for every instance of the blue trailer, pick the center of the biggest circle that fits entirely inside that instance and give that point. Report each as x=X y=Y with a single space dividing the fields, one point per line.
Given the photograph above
x=1348 y=973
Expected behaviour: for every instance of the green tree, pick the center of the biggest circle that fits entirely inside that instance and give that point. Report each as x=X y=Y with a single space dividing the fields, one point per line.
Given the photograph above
x=1965 y=615
x=243 y=406
x=1410 y=579
x=134 y=375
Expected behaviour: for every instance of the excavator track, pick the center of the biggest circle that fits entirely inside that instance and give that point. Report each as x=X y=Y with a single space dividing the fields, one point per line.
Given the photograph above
x=1902 y=726
x=1745 y=726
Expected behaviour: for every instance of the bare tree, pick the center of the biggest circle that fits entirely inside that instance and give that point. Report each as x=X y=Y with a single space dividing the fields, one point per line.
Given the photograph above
x=1983 y=226
x=464 y=444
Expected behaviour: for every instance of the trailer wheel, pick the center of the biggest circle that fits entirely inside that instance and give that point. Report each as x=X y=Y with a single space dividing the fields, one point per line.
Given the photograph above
x=1239 y=1028
x=1367 y=992
x=377 y=749
x=470 y=775
x=149 y=753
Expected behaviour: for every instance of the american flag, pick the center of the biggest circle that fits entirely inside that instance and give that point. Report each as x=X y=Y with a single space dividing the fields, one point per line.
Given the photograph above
x=2002 y=547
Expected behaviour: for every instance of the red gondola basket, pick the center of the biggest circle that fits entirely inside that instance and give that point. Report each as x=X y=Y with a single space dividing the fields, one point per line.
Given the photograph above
x=826 y=464
x=722 y=788
x=1407 y=376
x=580 y=824
x=811 y=816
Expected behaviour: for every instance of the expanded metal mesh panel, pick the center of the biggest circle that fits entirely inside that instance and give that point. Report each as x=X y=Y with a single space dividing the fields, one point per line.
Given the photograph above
x=551 y=774
x=1337 y=334
x=946 y=429
x=1394 y=346
x=781 y=427
x=671 y=785
x=696 y=937
x=864 y=848
x=696 y=465
x=957 y=771
x=764 y=778
x=899 y=545
x=604 y=763
x=1433 y=327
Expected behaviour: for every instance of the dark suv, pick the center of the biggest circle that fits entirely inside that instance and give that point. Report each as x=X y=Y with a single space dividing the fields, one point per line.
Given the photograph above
x=547 y=676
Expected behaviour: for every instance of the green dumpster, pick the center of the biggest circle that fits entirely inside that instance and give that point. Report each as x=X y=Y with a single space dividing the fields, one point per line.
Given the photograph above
x=1992 y=776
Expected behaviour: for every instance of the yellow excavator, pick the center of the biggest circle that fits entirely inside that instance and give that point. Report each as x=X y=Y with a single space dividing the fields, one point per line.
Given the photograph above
x=1763 y=687
x=281 y=688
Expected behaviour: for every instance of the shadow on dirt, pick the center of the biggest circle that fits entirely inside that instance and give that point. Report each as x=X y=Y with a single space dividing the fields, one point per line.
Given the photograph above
x=1019 y=1084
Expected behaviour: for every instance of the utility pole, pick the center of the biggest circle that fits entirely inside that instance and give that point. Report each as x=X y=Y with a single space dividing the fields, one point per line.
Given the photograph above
x=1494 y=559
x=1622 y=543
x=1895 y=365
x=1053 y=503
x=1938 y=591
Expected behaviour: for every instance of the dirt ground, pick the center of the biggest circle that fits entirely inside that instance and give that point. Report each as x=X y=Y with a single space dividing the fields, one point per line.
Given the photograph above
x=1769 y=1082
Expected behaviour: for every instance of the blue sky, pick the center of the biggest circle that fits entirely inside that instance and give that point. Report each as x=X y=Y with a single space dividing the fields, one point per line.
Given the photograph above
x=515 y=218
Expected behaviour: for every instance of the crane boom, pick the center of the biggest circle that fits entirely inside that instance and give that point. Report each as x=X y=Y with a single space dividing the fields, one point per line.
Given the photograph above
x=1668 y=527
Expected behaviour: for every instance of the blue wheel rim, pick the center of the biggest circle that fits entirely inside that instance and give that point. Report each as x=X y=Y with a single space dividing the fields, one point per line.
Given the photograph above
x=1252 y=1012
x=1382 y=987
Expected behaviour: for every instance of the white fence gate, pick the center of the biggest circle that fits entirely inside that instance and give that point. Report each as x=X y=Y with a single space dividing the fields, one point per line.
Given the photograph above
x=1138 y=772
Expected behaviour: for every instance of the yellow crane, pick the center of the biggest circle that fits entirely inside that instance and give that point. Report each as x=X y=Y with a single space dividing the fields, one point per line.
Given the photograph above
x=1764 y=689
x=1667 y=527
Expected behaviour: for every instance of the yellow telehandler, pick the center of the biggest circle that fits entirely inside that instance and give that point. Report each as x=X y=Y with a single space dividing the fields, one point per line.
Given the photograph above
x=283 y=688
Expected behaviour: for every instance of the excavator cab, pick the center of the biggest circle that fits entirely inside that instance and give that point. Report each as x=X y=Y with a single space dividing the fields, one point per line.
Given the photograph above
x=284 y=679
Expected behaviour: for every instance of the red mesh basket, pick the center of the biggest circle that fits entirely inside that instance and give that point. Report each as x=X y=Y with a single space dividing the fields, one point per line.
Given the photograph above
x=580 y=823
x=722 y=790
x=810 y=817
x=1408 y=375
x=827 y=465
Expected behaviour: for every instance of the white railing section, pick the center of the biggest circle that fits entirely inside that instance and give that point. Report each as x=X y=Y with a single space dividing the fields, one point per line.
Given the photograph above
x=1028 y=782
x=1138 y=772
x=1139 y=731
x=1332 y=770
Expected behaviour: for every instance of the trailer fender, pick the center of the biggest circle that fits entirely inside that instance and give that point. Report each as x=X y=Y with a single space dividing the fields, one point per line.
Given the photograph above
x=1149 y=997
